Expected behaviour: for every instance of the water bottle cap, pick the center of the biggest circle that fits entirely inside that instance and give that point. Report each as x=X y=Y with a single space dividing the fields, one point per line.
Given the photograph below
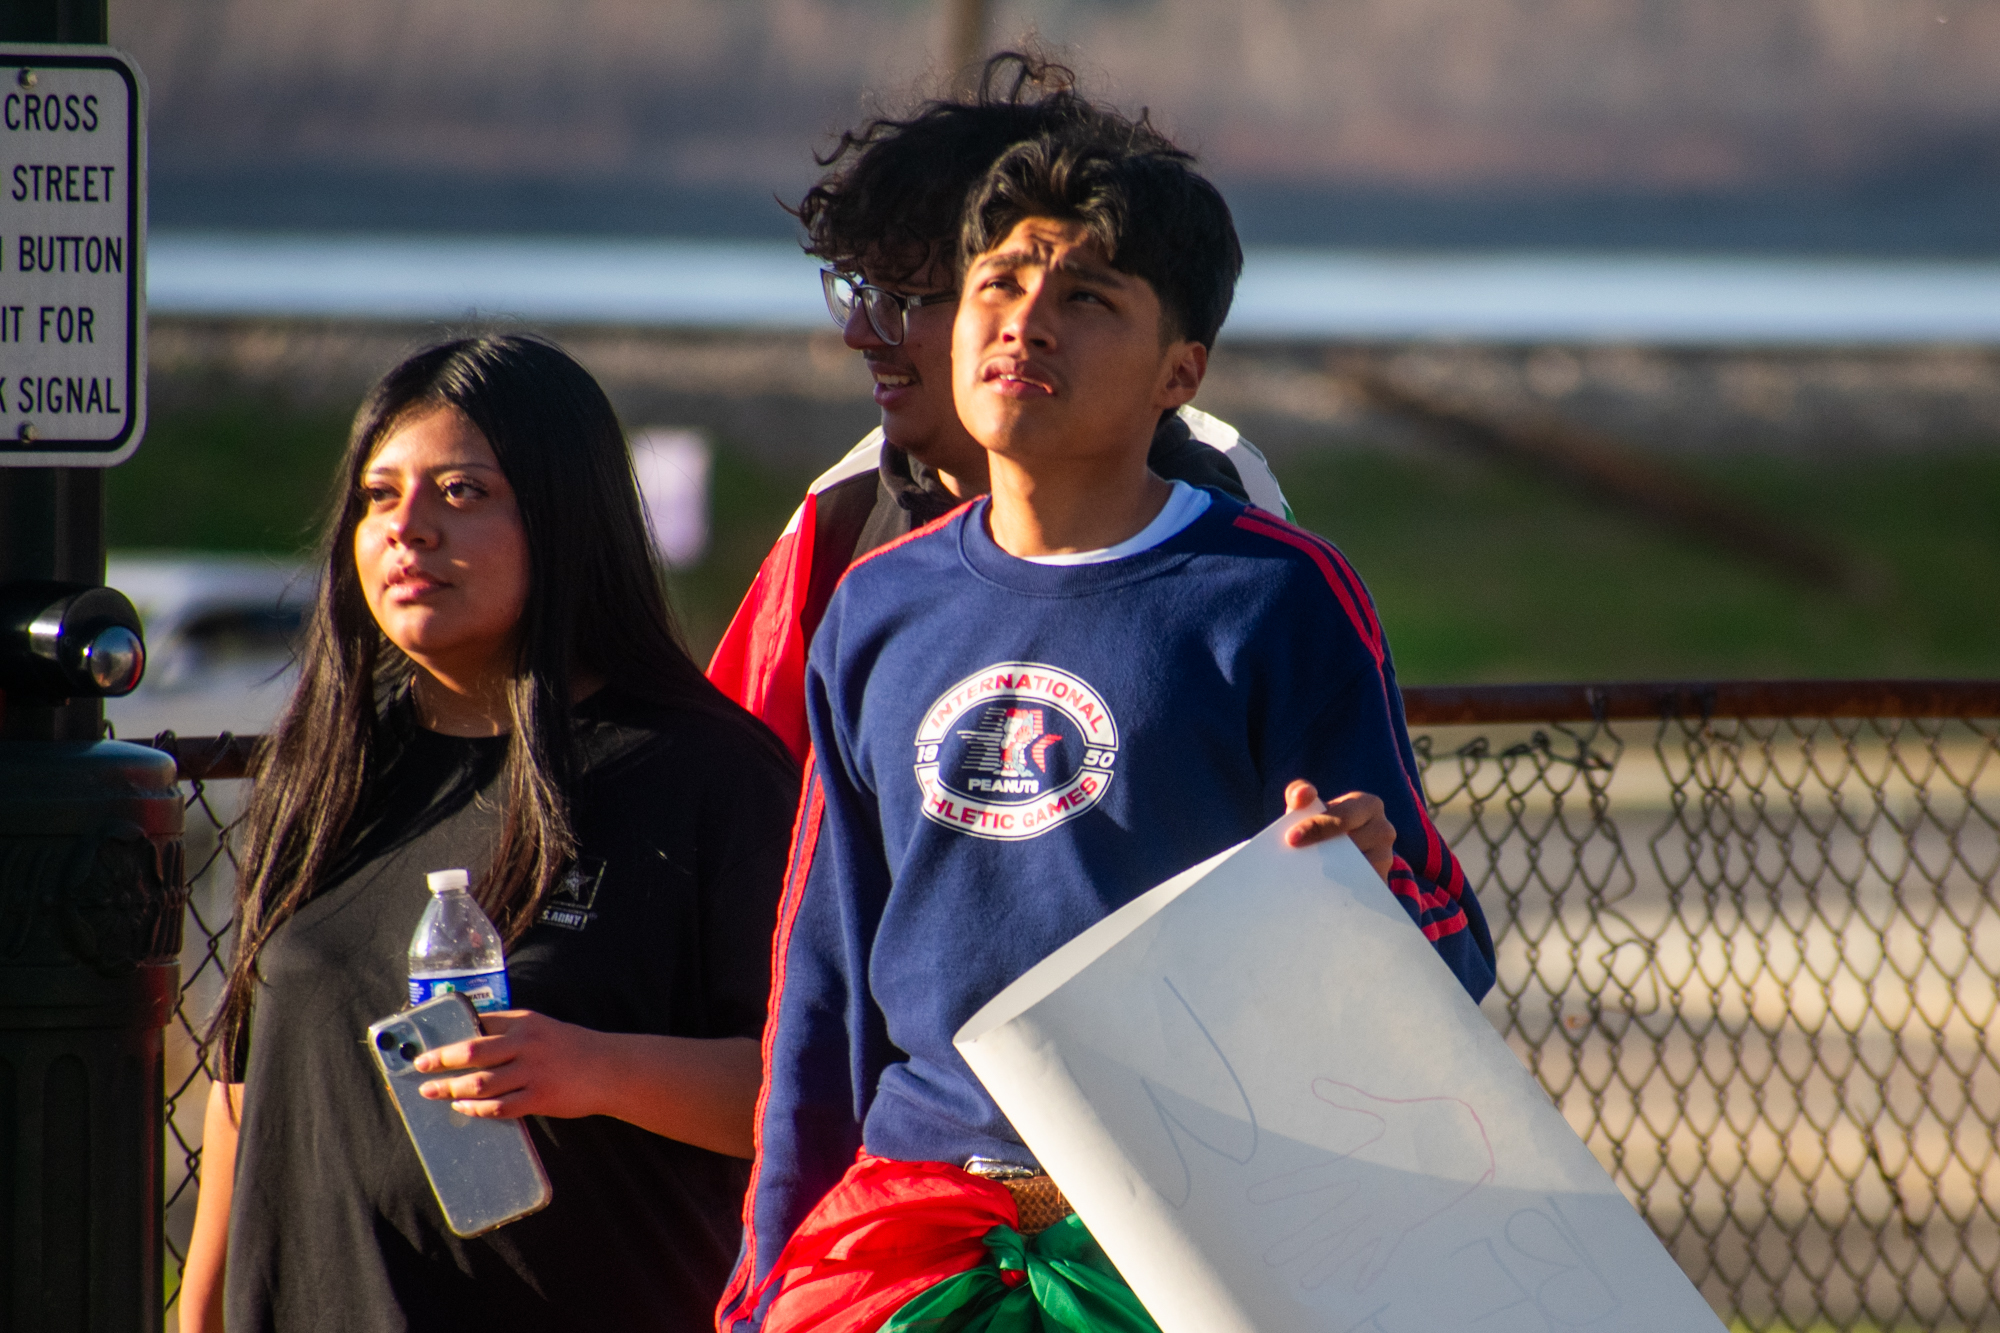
x=444 y=881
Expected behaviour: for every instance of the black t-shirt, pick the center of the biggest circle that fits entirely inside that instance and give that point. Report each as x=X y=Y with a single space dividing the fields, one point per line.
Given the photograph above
x=663 y=925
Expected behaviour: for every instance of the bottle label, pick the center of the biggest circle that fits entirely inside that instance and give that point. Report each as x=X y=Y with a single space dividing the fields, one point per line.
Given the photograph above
x=486 y=990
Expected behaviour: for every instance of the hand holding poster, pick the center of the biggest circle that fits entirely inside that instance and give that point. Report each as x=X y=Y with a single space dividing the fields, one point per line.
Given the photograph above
x=1278 y=1111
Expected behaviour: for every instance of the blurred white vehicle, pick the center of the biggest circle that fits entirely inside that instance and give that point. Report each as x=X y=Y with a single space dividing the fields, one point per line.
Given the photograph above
x=219 y=637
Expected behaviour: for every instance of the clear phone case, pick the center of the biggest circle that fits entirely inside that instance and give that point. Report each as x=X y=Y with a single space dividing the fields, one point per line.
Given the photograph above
x=485 y=1173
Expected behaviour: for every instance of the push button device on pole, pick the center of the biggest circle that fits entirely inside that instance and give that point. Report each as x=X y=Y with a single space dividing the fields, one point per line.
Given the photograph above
x=68 y=641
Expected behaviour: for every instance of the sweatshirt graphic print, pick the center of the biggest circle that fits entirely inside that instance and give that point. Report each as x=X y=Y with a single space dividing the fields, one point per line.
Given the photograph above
x=1006 y=752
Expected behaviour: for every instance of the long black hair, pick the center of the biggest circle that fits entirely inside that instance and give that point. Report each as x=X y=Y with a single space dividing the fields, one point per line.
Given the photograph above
x=595 y=605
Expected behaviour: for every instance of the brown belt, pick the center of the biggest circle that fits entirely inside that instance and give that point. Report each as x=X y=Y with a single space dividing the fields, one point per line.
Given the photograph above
x=1042 y=1205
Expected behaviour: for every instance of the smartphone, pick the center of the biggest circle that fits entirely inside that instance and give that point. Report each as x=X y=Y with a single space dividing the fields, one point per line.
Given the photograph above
x=485 y=1173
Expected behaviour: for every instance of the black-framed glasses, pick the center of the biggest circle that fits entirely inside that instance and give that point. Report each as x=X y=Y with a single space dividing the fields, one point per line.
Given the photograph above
x=888 y=312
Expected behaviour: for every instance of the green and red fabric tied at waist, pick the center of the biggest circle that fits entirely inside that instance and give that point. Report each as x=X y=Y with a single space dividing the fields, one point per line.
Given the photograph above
x=926 y=1247
x=1057 y=1281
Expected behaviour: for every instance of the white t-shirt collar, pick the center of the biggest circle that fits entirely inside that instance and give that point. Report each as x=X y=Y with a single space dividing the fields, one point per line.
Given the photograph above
x=1184 y=506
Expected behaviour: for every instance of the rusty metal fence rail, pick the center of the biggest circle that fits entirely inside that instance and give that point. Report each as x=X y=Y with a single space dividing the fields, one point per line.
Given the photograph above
x=1749 y=940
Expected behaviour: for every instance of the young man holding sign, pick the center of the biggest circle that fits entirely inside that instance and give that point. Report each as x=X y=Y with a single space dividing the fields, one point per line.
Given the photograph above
x=1023 y=716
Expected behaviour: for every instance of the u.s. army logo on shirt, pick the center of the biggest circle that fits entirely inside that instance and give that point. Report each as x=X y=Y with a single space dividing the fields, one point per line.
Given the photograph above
x=1015 y=749
x=572 y=905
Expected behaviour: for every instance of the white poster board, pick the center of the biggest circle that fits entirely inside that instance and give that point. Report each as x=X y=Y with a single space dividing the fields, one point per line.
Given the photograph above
x=1278 y=1111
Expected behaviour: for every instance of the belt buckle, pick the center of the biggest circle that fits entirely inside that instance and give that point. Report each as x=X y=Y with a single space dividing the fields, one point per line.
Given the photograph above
x=992 y=1168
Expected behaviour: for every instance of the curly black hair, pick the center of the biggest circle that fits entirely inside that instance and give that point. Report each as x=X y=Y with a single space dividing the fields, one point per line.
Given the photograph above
x=897 y=189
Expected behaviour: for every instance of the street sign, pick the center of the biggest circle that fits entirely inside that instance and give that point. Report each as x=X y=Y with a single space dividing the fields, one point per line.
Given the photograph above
x=72 y=256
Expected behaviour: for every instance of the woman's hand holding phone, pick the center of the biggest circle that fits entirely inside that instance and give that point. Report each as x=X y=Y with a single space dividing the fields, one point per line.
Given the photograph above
x=698 y=1090
x=526 y=1064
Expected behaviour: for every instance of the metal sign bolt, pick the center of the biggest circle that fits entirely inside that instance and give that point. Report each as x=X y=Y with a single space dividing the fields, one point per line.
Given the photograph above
x=27 y=432
x=26 y=78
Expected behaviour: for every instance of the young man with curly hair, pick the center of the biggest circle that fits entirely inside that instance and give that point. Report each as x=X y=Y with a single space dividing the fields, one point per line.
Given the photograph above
x=885 y=220
x=1025 y=714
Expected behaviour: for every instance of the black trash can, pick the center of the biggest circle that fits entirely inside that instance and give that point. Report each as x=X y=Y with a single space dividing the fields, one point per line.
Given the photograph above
x=91 y=899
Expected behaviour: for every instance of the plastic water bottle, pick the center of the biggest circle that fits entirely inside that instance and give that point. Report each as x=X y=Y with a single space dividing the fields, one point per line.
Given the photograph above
x=456 y=948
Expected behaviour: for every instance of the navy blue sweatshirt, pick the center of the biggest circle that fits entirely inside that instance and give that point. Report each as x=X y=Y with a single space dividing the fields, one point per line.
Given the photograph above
x=1004 y=753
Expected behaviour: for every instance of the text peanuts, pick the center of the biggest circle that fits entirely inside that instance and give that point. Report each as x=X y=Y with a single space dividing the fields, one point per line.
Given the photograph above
x=72 y=235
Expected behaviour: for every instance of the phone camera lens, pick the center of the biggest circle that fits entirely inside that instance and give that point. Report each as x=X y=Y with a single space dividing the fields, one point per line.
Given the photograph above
x=385 y=1041
x=410 y=1050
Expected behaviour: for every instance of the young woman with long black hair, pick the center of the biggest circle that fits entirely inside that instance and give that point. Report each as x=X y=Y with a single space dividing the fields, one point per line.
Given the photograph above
x=492 y=679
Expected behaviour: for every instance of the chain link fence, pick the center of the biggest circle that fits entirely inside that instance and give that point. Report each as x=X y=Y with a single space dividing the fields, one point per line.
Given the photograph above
x=1749 y=942
x=211 y=777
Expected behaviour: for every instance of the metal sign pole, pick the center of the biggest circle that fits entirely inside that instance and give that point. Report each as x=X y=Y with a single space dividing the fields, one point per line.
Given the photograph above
x=91 y=892
x=51 y=528
x=52 y=519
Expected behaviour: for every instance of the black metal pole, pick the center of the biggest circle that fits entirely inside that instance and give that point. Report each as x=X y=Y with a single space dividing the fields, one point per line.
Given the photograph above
x=81 y=21
x=52 y=519
x=51 y=527
x=91 y=900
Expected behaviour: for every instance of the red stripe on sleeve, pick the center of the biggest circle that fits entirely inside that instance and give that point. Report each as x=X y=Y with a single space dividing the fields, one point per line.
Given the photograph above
x=1362 y=619
x=1347 y=574
x=1451 y=925
x=1404 y=883
x=1440 y=866
x=805 y=840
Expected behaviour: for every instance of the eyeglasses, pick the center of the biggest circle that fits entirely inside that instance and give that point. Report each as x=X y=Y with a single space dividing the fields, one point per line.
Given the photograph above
x=888 y=312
